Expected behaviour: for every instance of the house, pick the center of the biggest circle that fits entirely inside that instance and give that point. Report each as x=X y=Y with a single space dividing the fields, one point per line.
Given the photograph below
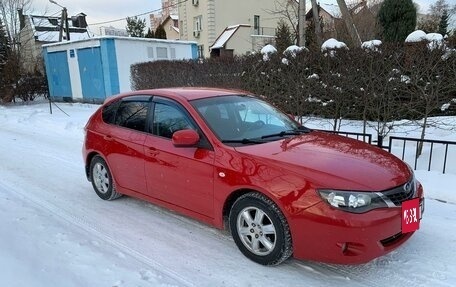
x=171 y=26
x=238 y=26
x=93 y=69
x=37 y=30
x=169 y=7
x=329 y=15
x=333 y=26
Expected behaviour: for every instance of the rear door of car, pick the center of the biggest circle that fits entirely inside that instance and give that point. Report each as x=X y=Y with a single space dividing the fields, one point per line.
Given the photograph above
x=124 y=140
x=182 y=176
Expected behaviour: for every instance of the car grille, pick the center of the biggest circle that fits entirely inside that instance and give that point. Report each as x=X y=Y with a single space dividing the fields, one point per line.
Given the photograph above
x=401 y=193
x=391 y=240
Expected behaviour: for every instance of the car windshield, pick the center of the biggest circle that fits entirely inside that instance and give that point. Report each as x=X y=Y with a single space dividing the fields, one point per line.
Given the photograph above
x=241 y=119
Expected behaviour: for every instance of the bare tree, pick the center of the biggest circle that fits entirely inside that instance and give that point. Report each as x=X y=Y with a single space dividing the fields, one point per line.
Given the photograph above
x=429 y=82
x=288 y=10
x=430 y=23
x=9 y=13
x=349 y=23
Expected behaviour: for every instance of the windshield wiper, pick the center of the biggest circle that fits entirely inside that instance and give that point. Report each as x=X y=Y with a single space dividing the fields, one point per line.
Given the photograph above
x=295 y=132
x=244 y=141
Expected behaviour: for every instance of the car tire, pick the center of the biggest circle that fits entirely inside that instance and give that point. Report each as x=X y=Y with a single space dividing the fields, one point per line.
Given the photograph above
x=102 y=180
x=260 y=229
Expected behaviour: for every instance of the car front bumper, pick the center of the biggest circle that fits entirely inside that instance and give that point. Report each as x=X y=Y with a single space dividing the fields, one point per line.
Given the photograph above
x=325 y=234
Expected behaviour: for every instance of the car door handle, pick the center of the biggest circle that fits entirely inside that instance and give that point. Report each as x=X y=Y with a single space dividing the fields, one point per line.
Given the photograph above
x=152 y=151
x=108 y=138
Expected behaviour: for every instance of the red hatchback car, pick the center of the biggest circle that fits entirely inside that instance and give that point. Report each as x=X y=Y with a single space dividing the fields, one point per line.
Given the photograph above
x=234 y=161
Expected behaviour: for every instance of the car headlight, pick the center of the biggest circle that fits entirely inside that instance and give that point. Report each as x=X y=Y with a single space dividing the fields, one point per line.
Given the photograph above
x=353 y=201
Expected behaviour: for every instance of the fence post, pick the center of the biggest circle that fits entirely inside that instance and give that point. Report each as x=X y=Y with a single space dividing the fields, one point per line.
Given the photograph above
x=379 y=141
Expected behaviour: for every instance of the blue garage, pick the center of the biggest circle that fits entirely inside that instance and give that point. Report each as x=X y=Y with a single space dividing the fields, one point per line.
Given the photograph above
x=93 y=69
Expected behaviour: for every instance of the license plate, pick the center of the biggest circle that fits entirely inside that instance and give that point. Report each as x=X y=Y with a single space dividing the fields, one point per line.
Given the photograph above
x=411 y=215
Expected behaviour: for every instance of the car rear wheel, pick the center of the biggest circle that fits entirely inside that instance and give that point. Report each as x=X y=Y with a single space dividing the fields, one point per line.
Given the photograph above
x=260 y=229
x=101 y=179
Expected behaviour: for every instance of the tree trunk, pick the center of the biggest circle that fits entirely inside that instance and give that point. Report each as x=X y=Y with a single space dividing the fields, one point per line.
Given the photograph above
x=302 y=23
x=419 y=150
x=316 y=18
x=351 y=28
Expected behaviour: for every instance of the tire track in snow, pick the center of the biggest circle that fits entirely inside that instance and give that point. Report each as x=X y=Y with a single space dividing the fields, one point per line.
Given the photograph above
x=84 y=225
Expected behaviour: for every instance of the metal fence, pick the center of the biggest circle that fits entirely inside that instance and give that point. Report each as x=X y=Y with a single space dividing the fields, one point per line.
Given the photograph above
x=431 y=148
x=428 y=146
x=359 y=136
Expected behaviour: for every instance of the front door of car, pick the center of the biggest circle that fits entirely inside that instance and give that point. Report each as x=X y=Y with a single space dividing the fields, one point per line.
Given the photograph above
x=182 y=176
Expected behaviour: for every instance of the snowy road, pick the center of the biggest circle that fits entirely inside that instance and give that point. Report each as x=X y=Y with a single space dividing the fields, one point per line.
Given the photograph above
x=55 y=231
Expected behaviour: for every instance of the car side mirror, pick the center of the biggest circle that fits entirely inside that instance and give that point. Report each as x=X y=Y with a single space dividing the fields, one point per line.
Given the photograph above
x=185 y=138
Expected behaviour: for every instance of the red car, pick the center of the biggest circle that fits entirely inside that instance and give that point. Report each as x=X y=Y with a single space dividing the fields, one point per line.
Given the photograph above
x=234 y=161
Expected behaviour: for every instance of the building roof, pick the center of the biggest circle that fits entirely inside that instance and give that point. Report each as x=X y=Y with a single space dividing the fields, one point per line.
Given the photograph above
x=226 y=35
x=47 y=29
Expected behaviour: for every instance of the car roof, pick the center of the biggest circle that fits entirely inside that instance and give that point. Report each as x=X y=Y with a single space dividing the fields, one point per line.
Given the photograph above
x=183 y=93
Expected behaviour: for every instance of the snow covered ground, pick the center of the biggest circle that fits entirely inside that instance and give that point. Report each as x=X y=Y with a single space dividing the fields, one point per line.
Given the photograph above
x=55 y=231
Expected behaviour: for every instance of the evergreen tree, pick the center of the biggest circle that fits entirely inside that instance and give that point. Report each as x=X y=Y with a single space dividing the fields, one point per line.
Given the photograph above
x=284 y=38
x=431 y=23
x=398 y=19
x=135 y=26
x=443 y=25
x=150 y=33
x=160 y=33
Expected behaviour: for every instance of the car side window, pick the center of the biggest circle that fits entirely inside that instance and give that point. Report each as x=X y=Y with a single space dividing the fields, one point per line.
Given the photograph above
x=109 y=112
x=169 y=119
x=132 y=115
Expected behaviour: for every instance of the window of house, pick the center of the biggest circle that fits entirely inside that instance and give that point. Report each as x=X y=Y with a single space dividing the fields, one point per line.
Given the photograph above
x=200 y=51
x=150 y=52
x=162 y=53
x=256 y=24
x=197 y=23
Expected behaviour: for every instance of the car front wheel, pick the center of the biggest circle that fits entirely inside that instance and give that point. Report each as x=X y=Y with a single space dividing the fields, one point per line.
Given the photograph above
x=101 y=179
x=260 y=229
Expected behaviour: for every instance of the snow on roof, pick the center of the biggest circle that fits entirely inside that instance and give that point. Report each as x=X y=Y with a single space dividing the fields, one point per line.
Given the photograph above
x=371 y=45
x=53 y=36
x=332 y=44
x=47 y=29
x=225 y=36
x=332 y=9
x=175 y=29
x=416 y=36
x=174 y=17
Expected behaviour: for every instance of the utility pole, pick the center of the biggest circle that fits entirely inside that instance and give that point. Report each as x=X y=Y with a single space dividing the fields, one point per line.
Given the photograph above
x=302 y=23
x=63 y=22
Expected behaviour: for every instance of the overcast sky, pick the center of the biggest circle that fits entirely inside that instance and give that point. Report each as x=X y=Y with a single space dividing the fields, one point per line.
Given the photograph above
x=98 y=10
x=107 y=10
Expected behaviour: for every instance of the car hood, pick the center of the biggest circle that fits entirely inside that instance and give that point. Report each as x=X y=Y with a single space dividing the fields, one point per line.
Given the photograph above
x=332 y=161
